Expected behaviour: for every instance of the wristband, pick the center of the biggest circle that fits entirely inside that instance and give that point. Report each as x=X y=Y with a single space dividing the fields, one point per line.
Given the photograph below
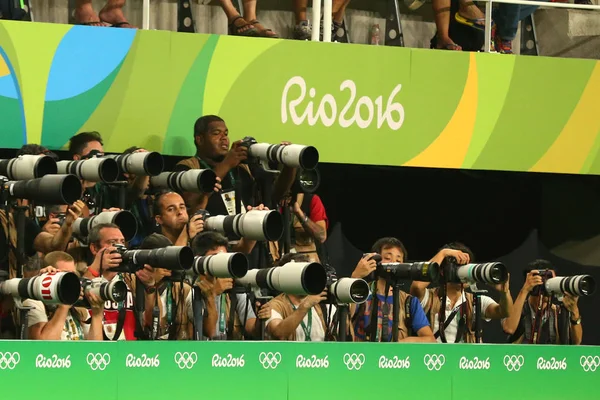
x=95 y=274
x=305 y=220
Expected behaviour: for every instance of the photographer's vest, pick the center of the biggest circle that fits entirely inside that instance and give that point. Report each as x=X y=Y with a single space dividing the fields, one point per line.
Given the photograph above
x=284 y=307
x=304 y=243
x=404 y=319
x=177 y=327
x=549 y=325
x=10 y=230
x=194 y=163
x=434 y=306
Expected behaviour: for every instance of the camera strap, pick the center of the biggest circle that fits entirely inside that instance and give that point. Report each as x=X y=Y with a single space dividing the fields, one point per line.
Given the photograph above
x=307 y=329
x=448 y=322
x=120 y=319
x=222 y=311
x=73 y=326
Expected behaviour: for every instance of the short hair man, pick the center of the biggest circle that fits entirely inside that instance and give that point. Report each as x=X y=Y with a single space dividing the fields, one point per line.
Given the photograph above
x=536 y=318
x=412 y=322
x=456 y=317
x=211 y=137
x=64 y=322
x=119 y=318
x=297 y=318
x=217 y=319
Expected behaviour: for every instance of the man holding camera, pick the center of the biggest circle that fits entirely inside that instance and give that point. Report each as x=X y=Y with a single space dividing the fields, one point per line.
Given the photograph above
x=64 y=322
x=119 y=318
x=170 y=214
x=217 y=296
x=298 y=318
x=412 y=322
x=535 y=319
x=57 y=231
x=211 y=138
x=457 y=316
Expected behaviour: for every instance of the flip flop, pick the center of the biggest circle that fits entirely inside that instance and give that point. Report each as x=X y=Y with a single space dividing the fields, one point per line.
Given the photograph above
x=92 y=23
x=474 y=23
x=120 y=25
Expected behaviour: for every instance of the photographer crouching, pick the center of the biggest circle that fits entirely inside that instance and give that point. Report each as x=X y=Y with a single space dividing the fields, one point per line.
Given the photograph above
x=63 y=321
x=412 y=322
x=545 y=311
x=450 y=307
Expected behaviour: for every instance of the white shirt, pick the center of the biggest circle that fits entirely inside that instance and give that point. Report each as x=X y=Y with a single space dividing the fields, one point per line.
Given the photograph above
x=38 y=314
x=317 y=331
x=453 y=326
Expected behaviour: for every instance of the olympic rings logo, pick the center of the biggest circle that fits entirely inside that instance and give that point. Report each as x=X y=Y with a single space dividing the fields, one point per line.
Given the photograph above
x=269 y=360
x=513 y=363
x=9 y=360
x=98 y=361
x=186 y=360
x=589 y=363
x=434 y=361
x=354 y=361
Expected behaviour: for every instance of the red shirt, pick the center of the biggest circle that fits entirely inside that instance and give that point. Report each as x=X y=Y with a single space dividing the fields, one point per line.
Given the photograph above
x=317 y=211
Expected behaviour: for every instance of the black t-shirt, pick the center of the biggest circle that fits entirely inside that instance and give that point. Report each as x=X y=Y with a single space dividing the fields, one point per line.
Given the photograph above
x=31 y=231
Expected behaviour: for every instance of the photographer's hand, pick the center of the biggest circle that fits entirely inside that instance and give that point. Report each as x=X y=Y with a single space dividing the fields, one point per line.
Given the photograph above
x=195 y=226
x=73 y=212
x=310 y=301
x=236 y=155
x=365 y=266
x=570 y=303
x=511 y=323
x=532 y=280
x=264 y=311
x=146 y=276
x=52 y=226
x=97 y=305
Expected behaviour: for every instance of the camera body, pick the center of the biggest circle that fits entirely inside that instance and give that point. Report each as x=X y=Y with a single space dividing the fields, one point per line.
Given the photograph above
x=61 y=218
x=119 y=249
x=417 y=271
x=344 y=290
x=545 y=274
x=114 y=291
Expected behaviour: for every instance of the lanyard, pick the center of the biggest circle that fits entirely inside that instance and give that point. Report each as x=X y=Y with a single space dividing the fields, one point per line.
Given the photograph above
x=206 y=166
x=73 y=327
x=169 y=305
x=222 y=310
x=306 y=329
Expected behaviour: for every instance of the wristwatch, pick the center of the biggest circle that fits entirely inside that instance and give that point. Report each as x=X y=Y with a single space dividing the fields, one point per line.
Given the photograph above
x=576 y=322
x=150 y=289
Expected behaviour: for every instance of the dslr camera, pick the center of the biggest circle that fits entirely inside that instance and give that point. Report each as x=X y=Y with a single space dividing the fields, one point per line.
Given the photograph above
x=417 y=271
x=345 y=290
x=577 y=285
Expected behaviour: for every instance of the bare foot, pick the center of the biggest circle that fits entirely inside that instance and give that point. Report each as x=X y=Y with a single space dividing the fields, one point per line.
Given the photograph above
x=85 y=15
x=471 y=11
x=112 y=13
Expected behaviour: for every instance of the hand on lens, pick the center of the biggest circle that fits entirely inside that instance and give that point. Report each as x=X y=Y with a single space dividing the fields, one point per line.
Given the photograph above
x=110 y=259
x=503 y=287
x=365 y=266
x=74 y=211
x=286 y=143
x=141 y=151
x=52 y=226
x=260 y=207
x=111 y=209
x=146 y=276
x=461 y=258
x=218 y=186
x=264 y=311
x=96 y=302
x=222 y=284
x=195 y=226
x=532 y=280
x=570 y=302
x=310 y=301
x=236 y=155
x=48 y=270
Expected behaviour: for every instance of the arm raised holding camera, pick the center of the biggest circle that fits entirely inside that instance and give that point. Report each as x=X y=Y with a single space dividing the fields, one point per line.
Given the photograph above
x=47 y=242
x=510 y=324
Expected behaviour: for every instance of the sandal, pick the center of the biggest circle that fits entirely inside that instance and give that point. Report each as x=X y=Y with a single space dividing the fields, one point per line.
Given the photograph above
x=264 y=32
x=122 y=25
x=93 y=23
x=237 y=29
x=475 y=23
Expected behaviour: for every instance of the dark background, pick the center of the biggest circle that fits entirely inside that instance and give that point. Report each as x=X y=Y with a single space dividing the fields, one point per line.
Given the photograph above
x=508 y=216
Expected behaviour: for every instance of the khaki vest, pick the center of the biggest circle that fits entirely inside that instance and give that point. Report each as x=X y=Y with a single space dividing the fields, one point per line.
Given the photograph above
x=283 y=307
x=305 y=243
x=12 y=258
x=181 y=315
x=434 y=305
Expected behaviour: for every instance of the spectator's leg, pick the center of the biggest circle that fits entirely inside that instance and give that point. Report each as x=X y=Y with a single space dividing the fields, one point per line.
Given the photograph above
x=441 y=8
x=250 y=15
x=302 y=30
x=470 y=14
x=507 y=23
x=85 y=14
x=339 y=8
x=238 y=26
x=112 y=13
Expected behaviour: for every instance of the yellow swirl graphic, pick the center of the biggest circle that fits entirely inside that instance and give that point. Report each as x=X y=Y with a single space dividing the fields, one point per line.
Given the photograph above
x=449 y=149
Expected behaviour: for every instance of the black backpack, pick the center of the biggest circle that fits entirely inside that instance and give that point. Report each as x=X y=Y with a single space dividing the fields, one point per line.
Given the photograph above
x=11 y=9
x=470 y=39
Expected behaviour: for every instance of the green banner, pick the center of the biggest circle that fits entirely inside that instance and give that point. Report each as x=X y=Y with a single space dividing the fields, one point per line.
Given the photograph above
x=356 y=104
x=287 y=370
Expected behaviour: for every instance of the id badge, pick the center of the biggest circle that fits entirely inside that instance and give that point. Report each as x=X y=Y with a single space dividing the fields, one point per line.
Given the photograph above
x=229 y=201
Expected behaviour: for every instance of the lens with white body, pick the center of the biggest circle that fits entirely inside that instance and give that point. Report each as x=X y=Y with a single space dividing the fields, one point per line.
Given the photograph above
x=221 y=265
x=28 y=167
x=255 y=225
x=125 y=220
x=51 y=189
x=578 y=285
x=292 y=155
x=193 y=180
x=51 y=288
x=350 y=290
x=115 y=291
x=292 y=278
x=95 y=169
x=145 y=163
x=491 y=273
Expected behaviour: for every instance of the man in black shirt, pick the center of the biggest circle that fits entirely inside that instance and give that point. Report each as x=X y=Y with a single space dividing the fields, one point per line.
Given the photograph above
x=213 y=151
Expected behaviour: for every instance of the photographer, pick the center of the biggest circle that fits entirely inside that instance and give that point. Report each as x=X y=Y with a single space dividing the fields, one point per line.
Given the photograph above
x=534 y=319
x=56 y=233
x=119 y=318
x=412 y=320
x=309 y=225
x=64 y=322
x=297 y=318
x=215 y=292
x=456 y=317
x=211 y=138
x=8 y=242
x=165 y=296
x=170 y=214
